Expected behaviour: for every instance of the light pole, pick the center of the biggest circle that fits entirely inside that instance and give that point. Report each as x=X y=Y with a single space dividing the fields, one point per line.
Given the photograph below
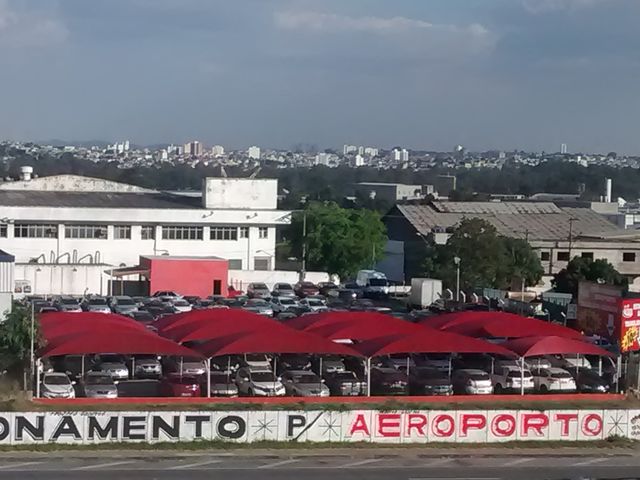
x=456 y=260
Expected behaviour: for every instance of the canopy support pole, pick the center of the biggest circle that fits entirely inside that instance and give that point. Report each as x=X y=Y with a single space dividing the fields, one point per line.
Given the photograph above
x=275 y=379
x=133 y=367
x=521 y=375
x=208 y=364
x=578 y=361
x=618 y=372
x=181 y=365
x=600 y=366
x=407 y=369
x=320 y=373
x=82 y=368
x=493 y=363
x=368 y=376
x=37 y=365
x=449 y=367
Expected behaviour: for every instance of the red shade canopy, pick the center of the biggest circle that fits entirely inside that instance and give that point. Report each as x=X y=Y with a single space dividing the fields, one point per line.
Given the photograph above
x=306 y=322
x=211 y=316
x=59 y=324
x=209 y=330
x=429 y=341
x=288 y=341
x=129 y=342
x=362 y=330
x=552 y=345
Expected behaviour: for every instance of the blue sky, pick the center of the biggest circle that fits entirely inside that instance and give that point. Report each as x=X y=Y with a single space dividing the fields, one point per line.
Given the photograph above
x=429 y=74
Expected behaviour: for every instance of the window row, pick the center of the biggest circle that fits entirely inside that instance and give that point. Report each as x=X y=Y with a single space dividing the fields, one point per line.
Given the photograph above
x=566 y=256
x=123 y=232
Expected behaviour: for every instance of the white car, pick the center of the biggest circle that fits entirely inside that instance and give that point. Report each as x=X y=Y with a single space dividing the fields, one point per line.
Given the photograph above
x=538 y=362
x=510 y=379
x=553 y=380
x=563 y=361
x=282 y=304
x=314 y=304
x=113 y=365
x=182 y=306
x=471 y=381
x=57 y=385
x=168 y=293
x=257 y=361
x=259 y=383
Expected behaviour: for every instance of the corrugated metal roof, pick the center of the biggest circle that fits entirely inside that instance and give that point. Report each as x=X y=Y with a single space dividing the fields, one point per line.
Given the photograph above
x=16 y=198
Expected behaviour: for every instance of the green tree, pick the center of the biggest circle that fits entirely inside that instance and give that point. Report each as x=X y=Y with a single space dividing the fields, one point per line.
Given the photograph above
x=338 y=240
x=522 y=262
x=581 y=269
x=15 y=341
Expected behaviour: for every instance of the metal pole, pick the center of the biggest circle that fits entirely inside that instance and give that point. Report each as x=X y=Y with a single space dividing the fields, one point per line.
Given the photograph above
x=304 y=246
x=209 y=377
x=407 y=368
x=82 y=368
x=133 y=367
x=449 y=367
x=521 y=375
x=368 y=376
x=600 y=366
x=181 y=363
x=38 y=379
x=33 y=341
x=275 y=363
x=458 y=282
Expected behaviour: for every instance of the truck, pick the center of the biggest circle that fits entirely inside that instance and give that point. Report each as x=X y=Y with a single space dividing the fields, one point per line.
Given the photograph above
x=424 y=292
x=373 y=283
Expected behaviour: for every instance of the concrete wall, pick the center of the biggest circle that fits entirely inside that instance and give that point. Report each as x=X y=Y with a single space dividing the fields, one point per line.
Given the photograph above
x=241 y=278
x=78 y=279
x=71 y=183
x=242 y=193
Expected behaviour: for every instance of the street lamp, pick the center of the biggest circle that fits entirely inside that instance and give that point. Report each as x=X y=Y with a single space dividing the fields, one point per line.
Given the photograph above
x=456 y=260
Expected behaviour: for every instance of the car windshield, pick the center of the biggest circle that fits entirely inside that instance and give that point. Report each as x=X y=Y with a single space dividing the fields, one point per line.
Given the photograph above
x=255 y=357
x=262 y=377
x=125 y=301
x=284 y=286
x=99 y=380
x=378 y=282
x=259 y=286
x=97 y=301
x=68 y=301
x=478 y=376
x=305 y=377
x=181 y=303
x=183 y=380
x=219 y=377
x=287 y=301
x=191 y=360
x=429 y=373
x=111 y=359
x=56 y=380
x=307 y=285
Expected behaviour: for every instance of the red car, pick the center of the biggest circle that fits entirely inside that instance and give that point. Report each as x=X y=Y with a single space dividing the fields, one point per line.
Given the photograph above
x=306 y=289
x=177 y=386
x=233 y=293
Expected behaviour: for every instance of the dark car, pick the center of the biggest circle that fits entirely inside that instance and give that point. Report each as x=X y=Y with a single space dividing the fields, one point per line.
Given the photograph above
x=326 y=287
x=388 y=381
x=429 y=381
x=192 y=299
x=293 y=361
x=177 y=386
x=345 y=384
x=305 y=289
x=142 y=316
x=588 y=380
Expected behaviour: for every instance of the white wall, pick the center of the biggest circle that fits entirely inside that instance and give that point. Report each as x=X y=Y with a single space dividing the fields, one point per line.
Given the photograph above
x=241 y=278
x=240 y=193
x=63 y=279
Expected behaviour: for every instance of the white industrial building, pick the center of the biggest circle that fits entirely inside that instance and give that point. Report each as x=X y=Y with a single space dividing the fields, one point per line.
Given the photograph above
x=87 y=225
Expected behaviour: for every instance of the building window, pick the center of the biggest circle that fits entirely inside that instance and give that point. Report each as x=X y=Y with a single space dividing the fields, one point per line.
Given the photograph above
x=25 y=230
x=261 y=263
x=244 y=232
x=563 y=256
x=3 y=230
x=263 y=232
x=223 y=233
x=544 y=256
x=148 y=232
x=122 y=232
x=182 y=233
x=235 y=264
x=587 y=255
x=628 y=256
x=86 y=231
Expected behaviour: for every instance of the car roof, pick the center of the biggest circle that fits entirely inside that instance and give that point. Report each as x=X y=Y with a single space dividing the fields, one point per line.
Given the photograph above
x=472 y=370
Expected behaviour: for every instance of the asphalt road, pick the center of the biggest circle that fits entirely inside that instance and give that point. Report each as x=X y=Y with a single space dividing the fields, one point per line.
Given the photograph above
x=358 y=466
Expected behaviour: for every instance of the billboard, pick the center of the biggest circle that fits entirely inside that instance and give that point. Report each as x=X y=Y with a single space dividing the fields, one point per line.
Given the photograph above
x=598 y=309
x=629 y=325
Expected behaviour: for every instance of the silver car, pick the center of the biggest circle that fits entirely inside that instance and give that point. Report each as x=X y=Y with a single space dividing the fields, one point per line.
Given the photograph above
x=302 y=383
x=57 y=385
x=67 y=304
x=283 y=290
x=112 y=364
x=99 y=385
x=259 y=306
x=283 y=304
x=146 y=366
x=258 y=290
x=222 y=385
x=96 y=304
x=123 y=305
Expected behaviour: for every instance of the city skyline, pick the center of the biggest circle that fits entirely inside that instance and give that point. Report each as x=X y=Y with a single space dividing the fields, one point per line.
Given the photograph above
x=492 y=74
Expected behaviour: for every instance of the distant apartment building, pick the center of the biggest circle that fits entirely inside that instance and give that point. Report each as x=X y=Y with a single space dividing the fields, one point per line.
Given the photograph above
x=401 y=155
x=193 y=148
x=371 y=152
x=254 y=153
x=349 y=149
x=217 y=150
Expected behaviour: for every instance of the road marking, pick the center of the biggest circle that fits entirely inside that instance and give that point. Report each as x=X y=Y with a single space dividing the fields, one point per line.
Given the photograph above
x=103 y=465
x=18 y=465
x=360 y=463
x=518 y=461
x=193 y=465
x=278 y=464
x=439 y=462
x=589 y=462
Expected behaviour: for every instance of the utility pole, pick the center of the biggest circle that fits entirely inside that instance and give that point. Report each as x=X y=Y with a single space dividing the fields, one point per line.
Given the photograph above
x=456 y=260
x=571 y=220
x=304 y=245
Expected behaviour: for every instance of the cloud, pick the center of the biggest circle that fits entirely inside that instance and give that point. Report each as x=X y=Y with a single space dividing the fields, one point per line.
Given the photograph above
x=26 y=28
x=544 y=6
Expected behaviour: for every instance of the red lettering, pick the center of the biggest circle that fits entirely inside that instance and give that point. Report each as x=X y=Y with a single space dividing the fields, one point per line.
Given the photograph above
x=360 y=425
x=592 y=425
x=416 y=421
x=534 y=421
x=472 y=421
x=438 y=431
x=503 y=425
x=389 y=424
x=565 y=419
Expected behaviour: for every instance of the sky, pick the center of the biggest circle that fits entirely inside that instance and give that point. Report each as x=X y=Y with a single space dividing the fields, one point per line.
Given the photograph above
x=424 y=74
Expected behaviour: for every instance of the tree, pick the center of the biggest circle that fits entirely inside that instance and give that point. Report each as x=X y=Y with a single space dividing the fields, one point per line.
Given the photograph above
x=581 y=269
x=15 y=341
x=486 y=258
x=338 y=240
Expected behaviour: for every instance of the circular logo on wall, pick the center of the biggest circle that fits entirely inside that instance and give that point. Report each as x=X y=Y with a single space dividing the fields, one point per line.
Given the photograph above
x=627 y=311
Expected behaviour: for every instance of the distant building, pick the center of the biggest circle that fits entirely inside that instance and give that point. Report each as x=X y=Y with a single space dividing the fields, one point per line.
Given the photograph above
x=348 y=149
x=254 y=153
x=193 y=148
x=358 y=161
x=401 y=155
x=563 y=148
x=391 y=192
x=217 y=150
x=371 y=152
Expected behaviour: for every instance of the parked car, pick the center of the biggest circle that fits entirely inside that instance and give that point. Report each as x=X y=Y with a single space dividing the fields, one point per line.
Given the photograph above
x=257 y=361
x=346 y=295
x=146 y=366
x=179 y=386
x=222 y=385
x=112 y=364
x=305 y=289
x=192 y=299
x=123 y=304
x=283 y=290
x=259 y=306
x=139 y=301
x=395 y=361
x=226 y=364
x=67 y=304
x=258 y=290
x=388 y=381
x=167 y=293
x=182 y=305
x=259 y=383
x=469 y=381
x=429 y=381
x=72 y=365
x=512 y=379
x=143 y=316
x=303 y=383
x=95 y=304
x=438 y=361
x=99 y=385
x=283 y=304
x=537 y=362
x=553 y=379
x=345 y=384
x=57 y=385
x=293 y=361
x=330 y=364
x=314 y=304
x=567 y=361
x=588 y=380
x=326 y=287
x=184 y=366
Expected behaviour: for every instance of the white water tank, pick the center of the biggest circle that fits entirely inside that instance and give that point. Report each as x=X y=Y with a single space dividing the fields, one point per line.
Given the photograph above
x=25 y=173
